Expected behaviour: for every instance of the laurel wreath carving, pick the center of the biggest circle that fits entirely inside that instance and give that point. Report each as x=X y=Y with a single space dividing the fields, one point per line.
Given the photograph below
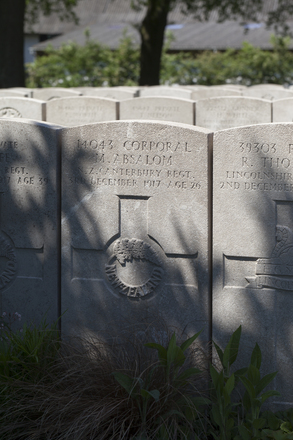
x=128 y=249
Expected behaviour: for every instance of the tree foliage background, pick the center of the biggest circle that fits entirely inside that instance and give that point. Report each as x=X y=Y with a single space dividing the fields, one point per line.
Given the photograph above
x=96 y=65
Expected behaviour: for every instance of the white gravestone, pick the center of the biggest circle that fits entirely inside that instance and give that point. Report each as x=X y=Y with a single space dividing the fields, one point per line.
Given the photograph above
x=283 y=110
x=48 y=93
x=22 y=108
x=135 y=226
x=79 y=110
x=14 y=93
x=29 y=219
x=175 y=92
x=210 y=92
x=158 y=108
x=253 y=245
x=232 y=111
x=270 y=93
x=108 y=92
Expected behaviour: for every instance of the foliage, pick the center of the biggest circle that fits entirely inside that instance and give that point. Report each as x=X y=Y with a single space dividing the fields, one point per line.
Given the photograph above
x=95 y=65
x=133 y=390
x=248 y=66
x=176 y=399
x=238 y=419
x=118 y=391
x=26 y=353
x=90 y=65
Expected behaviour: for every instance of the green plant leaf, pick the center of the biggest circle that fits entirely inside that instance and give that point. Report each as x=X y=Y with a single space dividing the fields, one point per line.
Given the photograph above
x=231 y=350
x=173 y=412
x=244 y=433
x=153 y=393
x=171 y=350
x=127 y=382
x=249 y=386
x=264 y=382
x=200 y=401
x=219 y=351
x=230 y=424
x=272 y=420
x=188 y=373
x=240 y=372
x=287 y=427
x=259 y=423
x=174 y=353
x=216 y=416
x=186 y=344
x=162 y=352
x=276 y=435
x=215 y=375
x=229 y=386
x=268 y=394
x=256 y=357
x=253 y=374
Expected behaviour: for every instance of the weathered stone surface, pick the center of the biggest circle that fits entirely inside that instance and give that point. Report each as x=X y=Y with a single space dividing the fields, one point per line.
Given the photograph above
x=270 y=93
x=233 y=111
x=47 y=93
x=79 y=110
x=14 y=93
x=267 y=85
x=158 y=108
x=29 y=219
x=135 y=226
x=283 y=110
x=28 y=108
x=108 y=92
x=253 y=245
x=213 y=92
x=176 y=92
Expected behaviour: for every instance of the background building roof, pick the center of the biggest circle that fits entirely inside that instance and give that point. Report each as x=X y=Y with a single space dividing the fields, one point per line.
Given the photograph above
x=107 y=19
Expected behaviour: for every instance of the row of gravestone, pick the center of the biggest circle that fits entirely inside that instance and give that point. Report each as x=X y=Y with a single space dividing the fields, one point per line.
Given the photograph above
x=212 y=113
x=118 y=223
x=263 y=91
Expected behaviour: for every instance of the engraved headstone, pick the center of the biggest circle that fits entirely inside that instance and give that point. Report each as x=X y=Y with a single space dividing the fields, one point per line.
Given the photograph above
x=29 y=188
x=14 y=92
x=283 y=110
x=213 y=92
x=233 y=111
x=176 y=92
x=108 y=92
x=269 y=93
x=253 y=245
x=22 y=108
x=79 y=110
x=158 y=108
x=48 y=93
x=266 y=85
x=135 y=226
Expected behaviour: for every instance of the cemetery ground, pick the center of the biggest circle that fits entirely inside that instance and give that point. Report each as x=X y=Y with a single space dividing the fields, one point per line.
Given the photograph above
x=131 y=389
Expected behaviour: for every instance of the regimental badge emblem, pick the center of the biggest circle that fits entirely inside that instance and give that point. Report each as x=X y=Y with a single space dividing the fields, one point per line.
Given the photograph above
x=9 y=112
x=134 y=269
x=276 y=272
